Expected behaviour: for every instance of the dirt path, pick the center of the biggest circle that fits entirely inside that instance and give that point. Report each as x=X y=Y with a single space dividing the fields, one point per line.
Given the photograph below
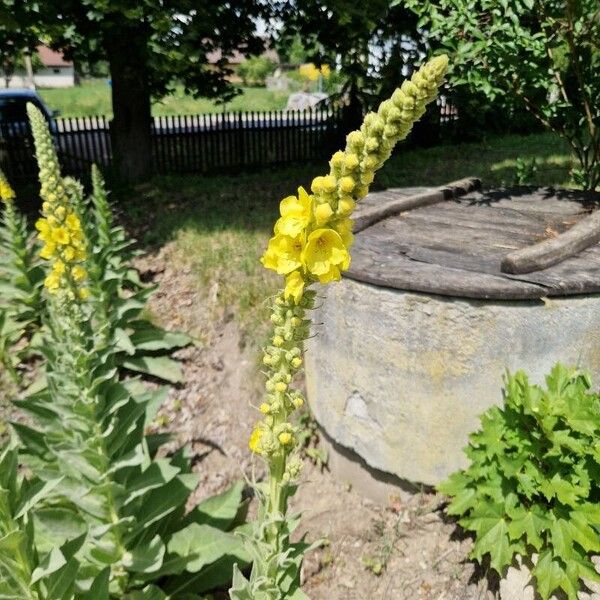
x=398 y=552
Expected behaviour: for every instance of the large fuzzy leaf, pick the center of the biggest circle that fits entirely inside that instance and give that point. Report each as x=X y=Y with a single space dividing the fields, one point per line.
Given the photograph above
x=203 y=545
x=161 y=367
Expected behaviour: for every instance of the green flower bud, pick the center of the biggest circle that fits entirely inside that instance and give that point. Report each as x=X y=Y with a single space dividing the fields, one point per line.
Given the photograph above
x=355 y=140
x=409 y=88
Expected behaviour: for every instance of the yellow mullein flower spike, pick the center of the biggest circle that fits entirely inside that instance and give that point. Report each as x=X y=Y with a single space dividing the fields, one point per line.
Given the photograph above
x=60 y=226
x=312 y=242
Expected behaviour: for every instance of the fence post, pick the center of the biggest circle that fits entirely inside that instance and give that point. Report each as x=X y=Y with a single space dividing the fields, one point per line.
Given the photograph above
x=241 y=142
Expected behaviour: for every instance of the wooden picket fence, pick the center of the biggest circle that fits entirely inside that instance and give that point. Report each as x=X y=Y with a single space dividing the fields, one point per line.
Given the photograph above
x=193 y=143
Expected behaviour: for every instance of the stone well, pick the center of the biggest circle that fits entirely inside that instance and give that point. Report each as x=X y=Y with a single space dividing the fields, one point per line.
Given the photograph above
x=412 y=345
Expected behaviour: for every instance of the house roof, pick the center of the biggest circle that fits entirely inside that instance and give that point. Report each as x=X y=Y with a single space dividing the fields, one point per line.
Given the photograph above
x=52 y=58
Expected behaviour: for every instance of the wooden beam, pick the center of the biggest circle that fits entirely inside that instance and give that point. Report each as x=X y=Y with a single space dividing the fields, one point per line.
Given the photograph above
x=550 y=252
x=371 y=215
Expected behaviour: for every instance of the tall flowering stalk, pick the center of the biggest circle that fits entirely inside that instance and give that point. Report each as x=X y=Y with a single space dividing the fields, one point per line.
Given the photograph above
x=311 y=244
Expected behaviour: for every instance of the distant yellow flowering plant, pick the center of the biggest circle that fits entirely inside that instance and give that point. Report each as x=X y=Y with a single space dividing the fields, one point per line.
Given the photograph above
x=311 y=72
x=311 y=244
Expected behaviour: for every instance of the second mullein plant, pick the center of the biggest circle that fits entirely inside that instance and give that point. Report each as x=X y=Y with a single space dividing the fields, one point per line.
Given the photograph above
x=311 y=244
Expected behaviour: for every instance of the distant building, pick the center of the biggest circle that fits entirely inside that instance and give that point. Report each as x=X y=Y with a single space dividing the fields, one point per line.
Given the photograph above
x=54 y=72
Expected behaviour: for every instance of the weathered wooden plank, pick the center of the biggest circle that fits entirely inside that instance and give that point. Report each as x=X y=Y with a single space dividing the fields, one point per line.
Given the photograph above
x=550 y=252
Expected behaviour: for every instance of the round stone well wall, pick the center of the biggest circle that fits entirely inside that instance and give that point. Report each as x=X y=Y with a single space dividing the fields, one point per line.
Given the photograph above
x=401 y=377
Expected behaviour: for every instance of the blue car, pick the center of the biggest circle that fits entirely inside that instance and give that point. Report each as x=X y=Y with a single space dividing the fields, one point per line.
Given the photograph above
x=16 y=145
x=13 y=104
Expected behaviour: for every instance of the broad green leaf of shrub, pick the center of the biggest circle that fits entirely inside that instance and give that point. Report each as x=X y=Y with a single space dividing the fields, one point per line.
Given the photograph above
x=533 y=483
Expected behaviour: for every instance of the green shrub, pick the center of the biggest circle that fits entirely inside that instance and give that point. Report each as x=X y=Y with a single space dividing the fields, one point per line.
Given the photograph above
x=533 y=485
x=256 y=69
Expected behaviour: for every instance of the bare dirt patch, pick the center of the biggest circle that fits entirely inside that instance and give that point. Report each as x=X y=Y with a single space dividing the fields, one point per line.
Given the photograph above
x=402 y=551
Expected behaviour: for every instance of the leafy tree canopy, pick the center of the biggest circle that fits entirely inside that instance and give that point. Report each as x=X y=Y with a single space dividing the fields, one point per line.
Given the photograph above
x=543 y=53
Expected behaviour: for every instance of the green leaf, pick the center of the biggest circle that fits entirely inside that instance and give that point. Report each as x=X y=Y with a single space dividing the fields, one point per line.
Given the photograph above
x=149 y=338
x=52 y=562
x=530 y=522
x=159 y=503
x=562 y=544
x=150 y=592
x=565 y=491
x=219 y=511
x=123 y=342
x=55 y=526
x=492 y=537
x=548 y=573
x=161 y=367
x=203 y=544
x=145 y=558
x=99 y=588
x=34 y=493
x=582 y=533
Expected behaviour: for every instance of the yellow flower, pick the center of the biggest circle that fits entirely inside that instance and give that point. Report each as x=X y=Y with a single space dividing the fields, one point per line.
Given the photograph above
x=325 y=254
x=52 y=282
x=283 y=254
x=294 y=286
x=329 y=184
x=61 y=236
x=69 y=253
x=264 y=408
x=325 y=71
x=254 y=441
x=84 y=293
x=6 y=192
x=285 y=438
x=322 y=213
x=73 y=223
x=79 y=273
x=48 y=251
x=42 y=225
x=59 y=267
x=295 y=214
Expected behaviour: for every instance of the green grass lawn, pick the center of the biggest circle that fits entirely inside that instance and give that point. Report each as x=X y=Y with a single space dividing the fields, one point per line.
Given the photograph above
x=221 y=224
x=93 y=98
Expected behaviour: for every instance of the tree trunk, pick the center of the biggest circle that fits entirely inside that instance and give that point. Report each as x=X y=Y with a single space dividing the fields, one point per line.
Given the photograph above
x=126 y=49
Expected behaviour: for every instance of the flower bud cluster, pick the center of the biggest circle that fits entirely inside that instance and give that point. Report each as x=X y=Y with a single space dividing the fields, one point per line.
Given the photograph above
x=353 y=170
x=283 y=360
x=60 y=228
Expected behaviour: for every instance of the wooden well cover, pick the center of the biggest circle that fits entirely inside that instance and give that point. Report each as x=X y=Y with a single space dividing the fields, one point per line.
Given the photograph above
x=455 y=247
